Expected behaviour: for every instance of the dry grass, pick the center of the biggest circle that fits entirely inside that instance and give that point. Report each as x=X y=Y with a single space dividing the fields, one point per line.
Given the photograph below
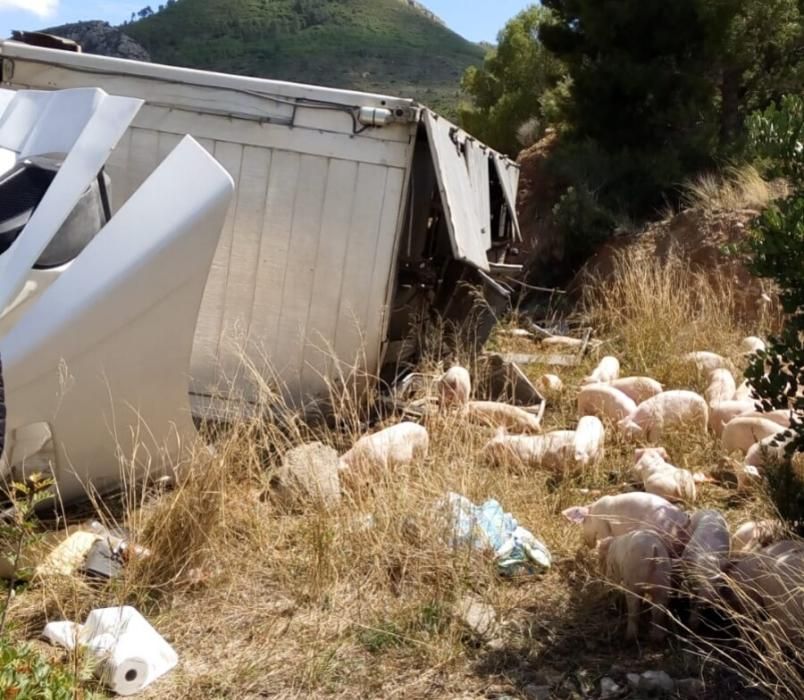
x=262 y=602
x=733 y=189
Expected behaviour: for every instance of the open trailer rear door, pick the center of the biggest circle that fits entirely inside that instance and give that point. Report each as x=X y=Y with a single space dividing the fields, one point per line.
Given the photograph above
x=463 y=185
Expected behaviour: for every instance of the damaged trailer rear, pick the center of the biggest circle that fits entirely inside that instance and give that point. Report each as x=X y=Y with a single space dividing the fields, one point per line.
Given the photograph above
x=355 y=219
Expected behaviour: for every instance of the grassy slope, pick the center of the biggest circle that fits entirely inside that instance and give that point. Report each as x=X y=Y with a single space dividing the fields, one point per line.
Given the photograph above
x=381 y=45
x=260 y=601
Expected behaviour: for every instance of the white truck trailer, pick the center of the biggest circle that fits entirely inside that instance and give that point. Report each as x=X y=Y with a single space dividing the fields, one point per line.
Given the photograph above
x=354 y=215
x=326 y=227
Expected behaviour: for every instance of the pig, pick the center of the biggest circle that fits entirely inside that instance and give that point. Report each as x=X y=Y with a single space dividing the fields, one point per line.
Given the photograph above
x=722 y=386
x=661 y=478
x=773 y=578
x=752 y=344
x=743 y=392
x=638 y=563
x=612 y=516
x=590 y=436
x=553 y=450
x=550 y=383
x=663 y=411
x=781 y=416
x=741 y=433
x=704 y=558
x=455 y=386
x=756 y=534
x=605 y=401
x=706 y=362
x=764 y=451
x=387 y=449
x=720 y=413
x=607 y=371
x=496 y=414
x=638 y=389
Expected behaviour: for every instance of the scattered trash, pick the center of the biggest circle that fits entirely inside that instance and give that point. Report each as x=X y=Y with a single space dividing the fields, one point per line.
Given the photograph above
x=477 y=616
x=489 y=527
x=103 y=561
x=132 y=653
x=554 y=360
x=69 y=555
x=503 y=380
x=308 y=475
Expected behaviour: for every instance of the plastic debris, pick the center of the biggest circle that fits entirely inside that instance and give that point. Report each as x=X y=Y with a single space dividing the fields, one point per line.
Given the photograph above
x=68 y=556
x=489 y=527
x=132 y=654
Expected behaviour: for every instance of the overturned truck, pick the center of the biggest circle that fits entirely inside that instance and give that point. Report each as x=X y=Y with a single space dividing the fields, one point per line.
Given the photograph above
x=172 y=239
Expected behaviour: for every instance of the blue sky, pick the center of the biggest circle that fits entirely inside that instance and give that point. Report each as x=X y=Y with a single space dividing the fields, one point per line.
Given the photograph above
x=481 y=22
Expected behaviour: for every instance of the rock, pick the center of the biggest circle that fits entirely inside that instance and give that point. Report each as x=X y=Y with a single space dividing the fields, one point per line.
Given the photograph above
x=690 y=688
x=537 y=692
x=609 y=689
x=101 y=38
x=308 y=476
x=477 y=616
x=656 y=683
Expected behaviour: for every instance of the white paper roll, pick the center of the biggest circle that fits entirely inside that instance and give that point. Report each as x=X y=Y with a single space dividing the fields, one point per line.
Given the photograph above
x=124 y=671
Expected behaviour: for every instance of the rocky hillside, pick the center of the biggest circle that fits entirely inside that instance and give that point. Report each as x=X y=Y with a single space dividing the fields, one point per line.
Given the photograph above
x=393 y=46
x=101 y=38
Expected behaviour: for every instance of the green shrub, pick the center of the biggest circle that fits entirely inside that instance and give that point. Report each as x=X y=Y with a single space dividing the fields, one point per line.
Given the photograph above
x=26 y=675
x=776 y=138
x=584 y=223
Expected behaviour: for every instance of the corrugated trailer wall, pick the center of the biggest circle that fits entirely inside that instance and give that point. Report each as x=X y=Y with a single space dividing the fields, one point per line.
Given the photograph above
x=306 y=262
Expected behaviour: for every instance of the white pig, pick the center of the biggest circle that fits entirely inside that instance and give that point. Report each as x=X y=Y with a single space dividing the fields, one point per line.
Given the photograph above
x=638 y=563
x=705 y=362
x=781 y=416
x=638 y=389
x=722 y=412
x=722 y=386
x=554 y=450
x=743 y=392
x=607 y=371
x=392 y=447
x=662 y=478
x=612 y=516
x=752 y=344
x=765 y=451
x=496 y=414
x=455 y=386
x=666 y=410
x=604 y=401
x=741 y=432
x=705 y=557
x=756 y=534
x=549 y=383
x=590 y=436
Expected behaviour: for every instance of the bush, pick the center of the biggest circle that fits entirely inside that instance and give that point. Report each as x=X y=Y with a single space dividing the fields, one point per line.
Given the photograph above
x=584 y=223
x=776 y=138
x=26 y=675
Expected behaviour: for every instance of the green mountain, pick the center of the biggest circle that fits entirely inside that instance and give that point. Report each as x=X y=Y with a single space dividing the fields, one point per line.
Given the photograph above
x=392 y=46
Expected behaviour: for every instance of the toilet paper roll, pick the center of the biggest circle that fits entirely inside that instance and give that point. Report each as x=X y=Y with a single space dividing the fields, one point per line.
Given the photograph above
x=125 y=671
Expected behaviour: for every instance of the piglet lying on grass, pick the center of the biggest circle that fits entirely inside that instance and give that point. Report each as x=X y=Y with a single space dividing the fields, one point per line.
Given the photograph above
x=639 y=563
x=555 y=450
x=385 y=450
x=604 y=401
x=670 y=409
x=662 y=478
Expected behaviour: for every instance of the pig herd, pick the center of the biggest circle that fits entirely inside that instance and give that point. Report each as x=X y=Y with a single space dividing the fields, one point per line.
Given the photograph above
x=648 y=545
